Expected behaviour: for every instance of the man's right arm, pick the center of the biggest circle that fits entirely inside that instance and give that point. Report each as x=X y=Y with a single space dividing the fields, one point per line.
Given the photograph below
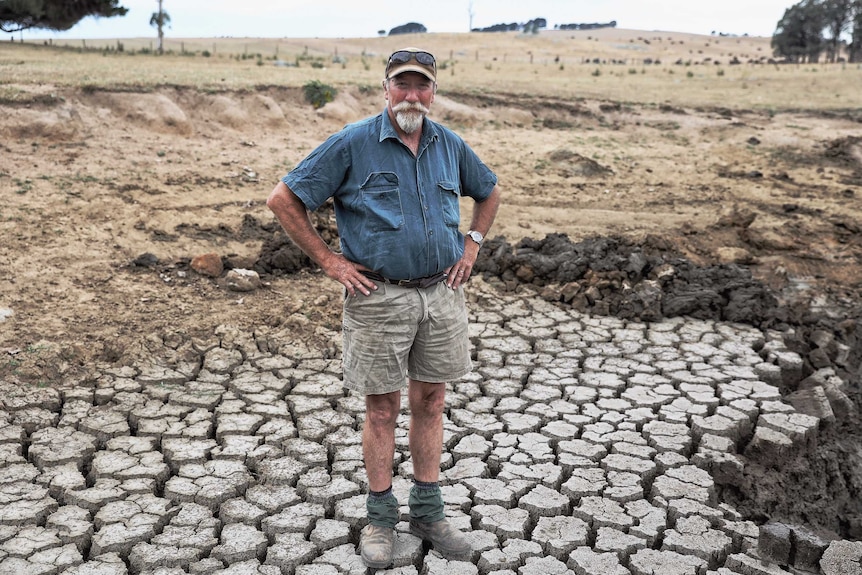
x=292 y=214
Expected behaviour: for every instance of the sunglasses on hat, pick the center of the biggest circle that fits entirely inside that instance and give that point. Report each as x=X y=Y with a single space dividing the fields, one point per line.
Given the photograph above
x=404 y=56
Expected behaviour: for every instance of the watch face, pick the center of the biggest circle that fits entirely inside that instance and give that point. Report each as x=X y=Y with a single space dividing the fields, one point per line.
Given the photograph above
x=476 y=236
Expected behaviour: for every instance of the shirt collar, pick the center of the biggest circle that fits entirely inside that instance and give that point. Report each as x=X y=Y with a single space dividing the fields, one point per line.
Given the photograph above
x=387 y=130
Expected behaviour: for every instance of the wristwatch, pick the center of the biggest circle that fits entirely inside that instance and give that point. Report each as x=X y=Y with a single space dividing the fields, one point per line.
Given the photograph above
x=476 y=236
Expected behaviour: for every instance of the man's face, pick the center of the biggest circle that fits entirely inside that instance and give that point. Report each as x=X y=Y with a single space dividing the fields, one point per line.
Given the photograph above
x=410 y=96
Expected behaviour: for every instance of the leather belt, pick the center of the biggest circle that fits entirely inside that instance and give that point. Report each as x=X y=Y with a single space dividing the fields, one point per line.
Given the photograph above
x=415 y=283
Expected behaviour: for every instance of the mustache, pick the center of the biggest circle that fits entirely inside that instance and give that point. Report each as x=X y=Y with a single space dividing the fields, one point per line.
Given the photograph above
x=409 y=107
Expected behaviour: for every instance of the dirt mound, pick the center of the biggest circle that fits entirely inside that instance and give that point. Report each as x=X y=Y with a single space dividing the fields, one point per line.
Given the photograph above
x=345 y=108
x=459 y=113
x=156 y=112
x=846 y=151
x=569 y=163
x=225 y=110
x=267 y=110
x=279 y=255
x=49 y=123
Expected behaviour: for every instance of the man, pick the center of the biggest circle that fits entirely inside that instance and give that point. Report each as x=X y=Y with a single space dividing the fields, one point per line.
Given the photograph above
x=396 y=179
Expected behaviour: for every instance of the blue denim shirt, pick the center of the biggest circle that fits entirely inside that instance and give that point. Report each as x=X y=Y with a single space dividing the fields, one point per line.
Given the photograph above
x=397 y=214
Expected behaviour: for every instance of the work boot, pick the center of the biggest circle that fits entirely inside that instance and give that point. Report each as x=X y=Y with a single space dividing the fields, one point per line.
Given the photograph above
x=448 y=541
x=376 y=543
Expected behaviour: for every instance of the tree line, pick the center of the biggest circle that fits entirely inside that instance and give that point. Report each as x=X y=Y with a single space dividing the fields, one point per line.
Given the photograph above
x=812 y=28
x=807 y=31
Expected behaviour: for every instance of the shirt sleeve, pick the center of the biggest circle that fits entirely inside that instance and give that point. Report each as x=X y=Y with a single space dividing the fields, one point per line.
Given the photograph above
x=318 y=177
x=477 y=179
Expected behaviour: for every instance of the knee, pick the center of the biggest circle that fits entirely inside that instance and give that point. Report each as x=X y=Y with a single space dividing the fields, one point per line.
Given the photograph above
x=381 y=413
x=429 y=405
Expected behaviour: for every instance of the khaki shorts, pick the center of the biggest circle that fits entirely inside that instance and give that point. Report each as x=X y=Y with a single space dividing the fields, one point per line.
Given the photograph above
x=397 y=332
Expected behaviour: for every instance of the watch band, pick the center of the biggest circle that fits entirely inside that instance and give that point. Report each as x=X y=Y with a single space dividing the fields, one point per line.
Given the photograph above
x=476 y=236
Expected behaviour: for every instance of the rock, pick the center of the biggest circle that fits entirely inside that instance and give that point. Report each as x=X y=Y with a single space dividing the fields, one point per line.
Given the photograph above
x=774 y=542
x=834 y=388
x=208 y=265
x=808 y=547
x=5 y=313
x=242 y=280
x=145 y=260
x=736 y=218
x=812 y=402
x=731 y=255
x=768 y=446
x=842 y=558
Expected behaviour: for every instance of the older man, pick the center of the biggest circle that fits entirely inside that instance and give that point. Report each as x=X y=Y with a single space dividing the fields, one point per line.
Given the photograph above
x=396 y=179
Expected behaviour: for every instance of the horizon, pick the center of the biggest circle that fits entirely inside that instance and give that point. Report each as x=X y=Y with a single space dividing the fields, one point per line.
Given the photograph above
x=256 y=19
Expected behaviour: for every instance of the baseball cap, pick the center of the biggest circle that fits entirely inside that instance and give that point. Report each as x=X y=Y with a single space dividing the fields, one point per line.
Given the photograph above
x=412 y=60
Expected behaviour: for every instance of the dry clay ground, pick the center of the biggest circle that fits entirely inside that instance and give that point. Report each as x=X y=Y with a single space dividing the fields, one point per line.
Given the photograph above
x=93 y=179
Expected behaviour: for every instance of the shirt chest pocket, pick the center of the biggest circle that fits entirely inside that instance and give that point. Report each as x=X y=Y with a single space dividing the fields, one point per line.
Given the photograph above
x=381 y=199
x=449 y=202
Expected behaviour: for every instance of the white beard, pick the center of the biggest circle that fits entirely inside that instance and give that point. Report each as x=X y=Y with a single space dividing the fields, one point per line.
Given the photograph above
x=409 y=116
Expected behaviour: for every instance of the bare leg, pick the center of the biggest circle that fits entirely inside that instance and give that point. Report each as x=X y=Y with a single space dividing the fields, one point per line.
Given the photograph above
x=427 y=401
x=427 y=514
x=378 y=438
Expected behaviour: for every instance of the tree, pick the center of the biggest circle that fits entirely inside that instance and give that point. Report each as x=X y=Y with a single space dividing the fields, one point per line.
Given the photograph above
x=837 y=14
x=409 y=28
x=855 y=48
x=159 y=20
x=799 y=35
x=16 y=15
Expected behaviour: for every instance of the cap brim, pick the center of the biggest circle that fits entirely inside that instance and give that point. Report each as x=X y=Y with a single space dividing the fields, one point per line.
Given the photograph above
x=411 y=66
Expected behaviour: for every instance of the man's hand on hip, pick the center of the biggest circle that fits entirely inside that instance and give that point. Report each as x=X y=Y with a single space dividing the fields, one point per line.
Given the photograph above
x=459 y=273
x=347 y=274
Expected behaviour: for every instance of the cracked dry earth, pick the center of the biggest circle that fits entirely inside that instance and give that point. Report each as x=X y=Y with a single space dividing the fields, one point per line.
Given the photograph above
x=580 y=444
x=586 y=445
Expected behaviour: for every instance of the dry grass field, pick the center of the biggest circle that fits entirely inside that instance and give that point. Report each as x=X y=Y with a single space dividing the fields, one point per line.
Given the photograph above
x=682 y=69
x=106 y=155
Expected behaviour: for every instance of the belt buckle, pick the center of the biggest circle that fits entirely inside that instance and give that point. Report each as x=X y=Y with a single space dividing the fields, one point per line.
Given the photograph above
x=403 y=283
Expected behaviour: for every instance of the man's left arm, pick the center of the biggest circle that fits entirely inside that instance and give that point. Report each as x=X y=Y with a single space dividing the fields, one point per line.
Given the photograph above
x=484 y=213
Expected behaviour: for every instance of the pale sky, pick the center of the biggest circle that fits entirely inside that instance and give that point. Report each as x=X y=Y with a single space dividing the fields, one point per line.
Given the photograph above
x=363 y=18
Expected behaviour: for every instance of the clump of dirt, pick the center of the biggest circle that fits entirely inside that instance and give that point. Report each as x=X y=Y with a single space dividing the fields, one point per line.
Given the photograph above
x=846 y=151
x=279 y=255
x=569 y=163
